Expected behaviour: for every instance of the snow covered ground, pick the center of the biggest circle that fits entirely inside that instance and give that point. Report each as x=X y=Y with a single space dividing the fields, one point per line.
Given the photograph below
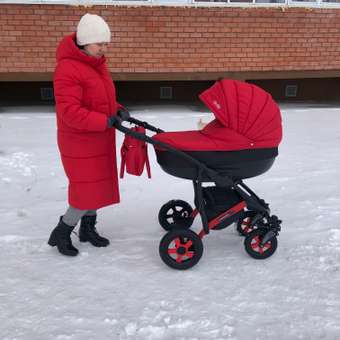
x=125 y=292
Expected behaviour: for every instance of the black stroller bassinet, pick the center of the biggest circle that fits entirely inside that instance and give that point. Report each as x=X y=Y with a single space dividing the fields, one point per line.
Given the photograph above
x=234 y=164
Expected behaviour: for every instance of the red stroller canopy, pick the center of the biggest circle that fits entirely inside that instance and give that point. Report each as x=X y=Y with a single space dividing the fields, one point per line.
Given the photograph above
x=246 y=118
x=245 y=109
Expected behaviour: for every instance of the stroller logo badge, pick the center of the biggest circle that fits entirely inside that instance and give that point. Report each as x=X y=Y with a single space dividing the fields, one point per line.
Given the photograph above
x=217 y=104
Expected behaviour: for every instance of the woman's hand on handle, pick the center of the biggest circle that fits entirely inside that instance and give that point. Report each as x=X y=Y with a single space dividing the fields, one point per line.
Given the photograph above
x=123 y=114
x=113 y=121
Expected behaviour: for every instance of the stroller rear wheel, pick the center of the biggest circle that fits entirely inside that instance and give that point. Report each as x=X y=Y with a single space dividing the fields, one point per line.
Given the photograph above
x=181 y=249
x=244 y=226
x=175 y=214
x=255 y=249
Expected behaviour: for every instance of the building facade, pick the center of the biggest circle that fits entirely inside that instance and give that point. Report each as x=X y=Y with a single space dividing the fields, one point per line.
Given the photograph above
x=158 y=48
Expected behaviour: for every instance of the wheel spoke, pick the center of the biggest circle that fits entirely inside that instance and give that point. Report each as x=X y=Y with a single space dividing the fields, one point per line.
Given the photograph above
x=247 y=230
x=179 y=258
x=190 y=254
x=182 y=212
x=246 y=222
x=172 y=251
x=170 y=220
x=267 y=246
x=188 y=245
x=177 y=242
x=255 y=243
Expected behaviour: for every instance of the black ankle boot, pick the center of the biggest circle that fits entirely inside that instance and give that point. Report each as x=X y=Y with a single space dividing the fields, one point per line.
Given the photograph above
x=88 y=232
x=61 y=237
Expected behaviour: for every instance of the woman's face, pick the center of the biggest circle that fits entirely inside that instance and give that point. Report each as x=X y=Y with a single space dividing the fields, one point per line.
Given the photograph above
x=96 y=50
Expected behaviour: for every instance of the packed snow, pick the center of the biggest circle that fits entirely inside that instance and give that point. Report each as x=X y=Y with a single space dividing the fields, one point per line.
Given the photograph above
x=125 y=291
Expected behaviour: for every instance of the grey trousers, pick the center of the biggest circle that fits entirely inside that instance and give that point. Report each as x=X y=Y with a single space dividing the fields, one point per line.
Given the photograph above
x=73 y=215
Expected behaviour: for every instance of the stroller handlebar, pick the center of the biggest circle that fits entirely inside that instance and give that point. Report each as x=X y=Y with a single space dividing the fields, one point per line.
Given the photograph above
x=124 y=115
x=144 y=124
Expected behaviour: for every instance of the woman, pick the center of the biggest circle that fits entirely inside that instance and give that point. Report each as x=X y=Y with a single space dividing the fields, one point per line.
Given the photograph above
x=85 y=105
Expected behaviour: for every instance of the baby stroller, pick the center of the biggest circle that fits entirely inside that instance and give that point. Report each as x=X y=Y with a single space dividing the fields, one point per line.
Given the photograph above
x=241 y=142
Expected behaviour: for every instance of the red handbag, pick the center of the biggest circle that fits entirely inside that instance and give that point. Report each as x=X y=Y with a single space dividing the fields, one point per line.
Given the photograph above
x=134 y=155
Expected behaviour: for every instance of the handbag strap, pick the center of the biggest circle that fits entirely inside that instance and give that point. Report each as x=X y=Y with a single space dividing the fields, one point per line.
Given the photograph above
x=123 y=161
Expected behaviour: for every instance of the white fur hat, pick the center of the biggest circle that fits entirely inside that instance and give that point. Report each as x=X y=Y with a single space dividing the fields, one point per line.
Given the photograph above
x=92 y=29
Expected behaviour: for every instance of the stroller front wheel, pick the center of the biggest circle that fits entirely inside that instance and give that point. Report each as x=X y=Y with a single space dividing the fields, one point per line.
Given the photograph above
x=255 y=249
x=181 y=249
x=175 y=214
x=244 y=225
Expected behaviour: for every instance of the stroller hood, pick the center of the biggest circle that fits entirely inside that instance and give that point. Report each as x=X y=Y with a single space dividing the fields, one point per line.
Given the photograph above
x=244 y=109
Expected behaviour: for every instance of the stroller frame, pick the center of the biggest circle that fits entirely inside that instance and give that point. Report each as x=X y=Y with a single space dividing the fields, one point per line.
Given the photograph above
x=261 y=229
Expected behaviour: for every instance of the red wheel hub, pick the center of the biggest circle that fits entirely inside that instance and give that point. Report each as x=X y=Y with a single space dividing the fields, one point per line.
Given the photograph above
x=181 y=250
x=246 y=225
x=256 y=245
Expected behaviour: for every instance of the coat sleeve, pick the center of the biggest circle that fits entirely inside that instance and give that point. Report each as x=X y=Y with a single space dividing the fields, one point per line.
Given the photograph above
x=68 y=94
x=120 y=107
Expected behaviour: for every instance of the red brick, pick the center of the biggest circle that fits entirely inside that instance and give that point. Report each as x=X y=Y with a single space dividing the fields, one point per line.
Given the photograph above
x=169 y=39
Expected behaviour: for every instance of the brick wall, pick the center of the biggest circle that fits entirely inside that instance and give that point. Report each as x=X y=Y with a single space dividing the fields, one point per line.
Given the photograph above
x=177 y=40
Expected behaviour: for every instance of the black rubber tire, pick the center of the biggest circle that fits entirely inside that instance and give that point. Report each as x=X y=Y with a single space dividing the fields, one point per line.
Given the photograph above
x=183 y=236
x=251 y=245
x=241 y=223
x=177 y=210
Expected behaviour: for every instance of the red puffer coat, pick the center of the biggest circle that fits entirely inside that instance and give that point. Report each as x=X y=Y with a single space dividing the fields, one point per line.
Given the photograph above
x=85 y=97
